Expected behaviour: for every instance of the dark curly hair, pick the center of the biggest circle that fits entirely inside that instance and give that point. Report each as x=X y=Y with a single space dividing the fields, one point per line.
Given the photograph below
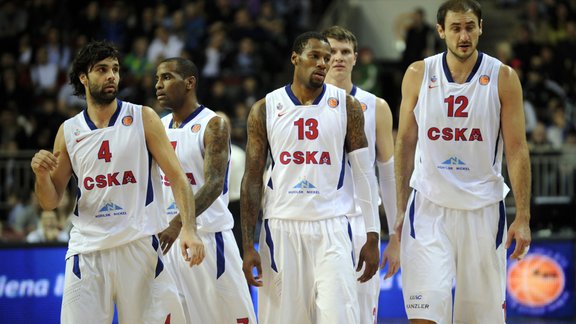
x=89 y=55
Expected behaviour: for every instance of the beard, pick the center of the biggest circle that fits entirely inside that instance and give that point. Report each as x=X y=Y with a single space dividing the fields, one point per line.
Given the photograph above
x=314 y=84
x=100 y=97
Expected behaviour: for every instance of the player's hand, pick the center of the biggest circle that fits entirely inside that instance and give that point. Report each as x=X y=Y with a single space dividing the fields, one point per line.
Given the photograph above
x=251 y=260
x=43 y=162
x=369 y=257
x=391 y=256
x=520 y=231
x=169 y=235
x=192 y=247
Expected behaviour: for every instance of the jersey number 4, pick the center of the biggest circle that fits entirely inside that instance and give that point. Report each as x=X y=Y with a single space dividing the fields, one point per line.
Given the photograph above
x=104 y=151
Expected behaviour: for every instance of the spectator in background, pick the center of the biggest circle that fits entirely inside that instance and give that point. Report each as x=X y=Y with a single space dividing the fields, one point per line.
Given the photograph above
x=164 y=45
x=57 y=50
x=48 y=229
x=366 y=73
x=538 y=141
x=195 y=27
x=418 y=36
x=247 y=61
x=136 y=61
x=24 y=214
x=44 y=74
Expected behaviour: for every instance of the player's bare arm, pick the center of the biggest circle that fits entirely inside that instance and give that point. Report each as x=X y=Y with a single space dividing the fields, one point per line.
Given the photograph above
x=52 y=172
x=355 y=136
x=216 y=151
x=406 y=139
x=159 y=145
x=517 y=158
x=251 y=190
x=384 y=154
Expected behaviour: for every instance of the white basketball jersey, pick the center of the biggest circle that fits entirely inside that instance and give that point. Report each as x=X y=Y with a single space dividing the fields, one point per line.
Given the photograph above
x=306 y=142
x=119 y=197
x=368 y=102
x=188 y=142
x=458 y=158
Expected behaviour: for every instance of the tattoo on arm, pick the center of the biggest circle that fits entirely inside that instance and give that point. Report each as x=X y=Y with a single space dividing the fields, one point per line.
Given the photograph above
x=216 y=151
x=252 y=182
x=355 y=136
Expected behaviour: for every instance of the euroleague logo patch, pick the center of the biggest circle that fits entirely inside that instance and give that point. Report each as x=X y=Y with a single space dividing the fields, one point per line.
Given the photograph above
x=536 y=281
x=364 y=106
x=332 y=102
x=196 y=128
x=127 y=120
x=484 y=80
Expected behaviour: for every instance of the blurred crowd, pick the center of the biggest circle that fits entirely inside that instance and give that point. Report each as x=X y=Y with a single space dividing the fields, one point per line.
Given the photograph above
x=241 y=48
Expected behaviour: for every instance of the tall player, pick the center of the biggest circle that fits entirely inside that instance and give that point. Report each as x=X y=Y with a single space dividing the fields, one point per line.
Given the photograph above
x=215 y=291
x=453 y=129
x=378 y=129
x=113 y=148
x=308 y=127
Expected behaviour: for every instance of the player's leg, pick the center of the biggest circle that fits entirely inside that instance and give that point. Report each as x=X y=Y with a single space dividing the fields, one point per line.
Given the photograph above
x=216 y=284
x=286 y=294
x=87 y=290
x=481 y=268
x=145 y=292
x=368 y=292
x=427 y=262
x=336 y=288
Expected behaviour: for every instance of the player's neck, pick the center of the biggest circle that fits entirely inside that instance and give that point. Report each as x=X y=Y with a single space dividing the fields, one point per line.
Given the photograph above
x=180 y=114
x=100 y=114
x=461 y=68
x=305 y=95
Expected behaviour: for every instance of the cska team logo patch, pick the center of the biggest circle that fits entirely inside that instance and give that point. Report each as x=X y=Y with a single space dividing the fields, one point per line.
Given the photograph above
x=127 y=120
x=332 y=102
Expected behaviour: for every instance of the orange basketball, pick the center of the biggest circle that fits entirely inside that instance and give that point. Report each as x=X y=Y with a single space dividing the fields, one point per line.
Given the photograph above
x=536 y=281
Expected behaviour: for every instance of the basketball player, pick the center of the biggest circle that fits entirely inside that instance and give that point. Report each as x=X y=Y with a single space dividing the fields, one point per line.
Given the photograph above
x=216 y=290
x=307 y=271
x=452 y=132
x=378 y=129
x=113 y=148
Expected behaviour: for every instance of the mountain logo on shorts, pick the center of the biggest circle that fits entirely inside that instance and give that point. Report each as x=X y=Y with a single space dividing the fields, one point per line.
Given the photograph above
x=304 y=187
x=304 y=184
x=110 y=209
x=454 y=160
x=454 y=163
x=172 y=209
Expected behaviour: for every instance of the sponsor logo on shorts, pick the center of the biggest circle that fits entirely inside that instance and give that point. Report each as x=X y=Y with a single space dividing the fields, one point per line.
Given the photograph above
x=453 y=163
x=417 y=306
x=110 y=209
x=172 y=209
x=304 y=187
